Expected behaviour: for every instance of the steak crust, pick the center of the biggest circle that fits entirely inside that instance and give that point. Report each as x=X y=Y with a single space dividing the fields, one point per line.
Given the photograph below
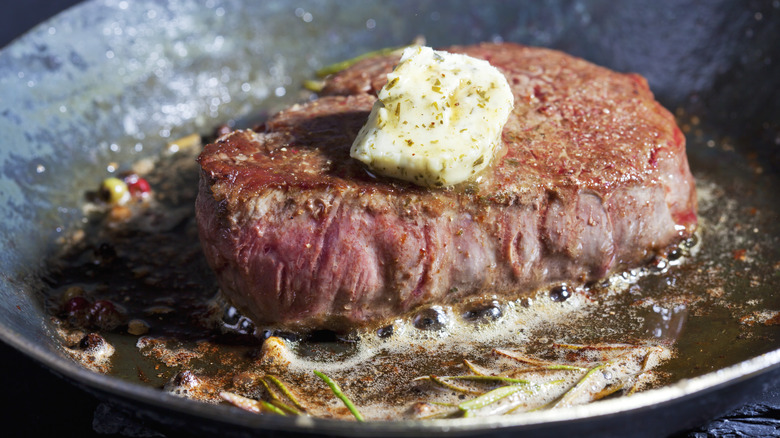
x=593 y=180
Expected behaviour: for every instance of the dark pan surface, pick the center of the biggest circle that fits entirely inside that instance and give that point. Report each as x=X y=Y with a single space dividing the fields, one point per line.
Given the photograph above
x=76 y=86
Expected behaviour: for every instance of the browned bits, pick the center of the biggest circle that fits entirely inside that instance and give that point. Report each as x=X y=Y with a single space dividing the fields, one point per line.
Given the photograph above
x=137 y=327
x=119 y=213
x=92 y=342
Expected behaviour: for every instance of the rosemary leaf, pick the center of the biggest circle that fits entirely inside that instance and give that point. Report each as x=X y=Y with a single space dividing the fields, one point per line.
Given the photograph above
x=481 y=378
x=633 y=389
x=609 y=390
x=441 y=382
x=269 y=390
x=312 y=85
x=473 y=368
x=596 y=347
x=337 y=392
x=285 y=407
x=546 y=405
x=651 y=355
x=522 y=358
x=285 y=391
x=271 y=408
x=342 y=65
x=565 y=368
x=568 y=396
x=542 y=365
x=488 y=398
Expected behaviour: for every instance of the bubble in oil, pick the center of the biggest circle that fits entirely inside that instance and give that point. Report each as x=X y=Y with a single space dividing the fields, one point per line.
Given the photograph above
x=232 y=320
x=385 y=332
x=231 y=316
x=560 y=293
x=484 y=312
x=432 y=319
x=659 y=264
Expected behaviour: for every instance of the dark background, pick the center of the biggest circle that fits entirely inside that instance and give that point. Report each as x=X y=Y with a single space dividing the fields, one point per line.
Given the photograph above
x=20 y=16
x=24 y=382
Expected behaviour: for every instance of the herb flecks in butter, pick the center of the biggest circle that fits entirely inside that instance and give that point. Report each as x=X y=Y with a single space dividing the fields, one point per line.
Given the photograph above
x=437 y=121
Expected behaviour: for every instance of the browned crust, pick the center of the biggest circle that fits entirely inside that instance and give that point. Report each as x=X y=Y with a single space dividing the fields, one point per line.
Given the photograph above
x=594 y=179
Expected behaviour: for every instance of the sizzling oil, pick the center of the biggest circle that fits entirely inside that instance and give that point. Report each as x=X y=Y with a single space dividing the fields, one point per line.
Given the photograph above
x=171 y=329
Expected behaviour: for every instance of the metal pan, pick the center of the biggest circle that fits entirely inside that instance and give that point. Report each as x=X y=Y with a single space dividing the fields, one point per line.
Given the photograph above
x=112 y=81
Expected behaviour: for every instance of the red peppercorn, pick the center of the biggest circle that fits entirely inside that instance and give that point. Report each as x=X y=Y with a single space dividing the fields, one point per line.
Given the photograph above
x=77 y=311
x=75 y=304
x=137 y=186
x=104 y=315
x=102 y=305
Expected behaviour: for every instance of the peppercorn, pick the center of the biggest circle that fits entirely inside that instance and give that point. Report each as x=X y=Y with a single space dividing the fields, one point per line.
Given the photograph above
x=114 y=191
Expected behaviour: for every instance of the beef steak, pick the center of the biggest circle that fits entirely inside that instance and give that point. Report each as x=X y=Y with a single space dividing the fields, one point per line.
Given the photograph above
x=594 y=179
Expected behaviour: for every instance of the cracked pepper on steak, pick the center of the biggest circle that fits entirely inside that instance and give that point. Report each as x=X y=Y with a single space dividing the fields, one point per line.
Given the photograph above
x=593 y=180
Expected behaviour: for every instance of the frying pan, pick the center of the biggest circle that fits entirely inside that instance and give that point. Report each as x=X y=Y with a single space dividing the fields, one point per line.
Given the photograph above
x=113 y=81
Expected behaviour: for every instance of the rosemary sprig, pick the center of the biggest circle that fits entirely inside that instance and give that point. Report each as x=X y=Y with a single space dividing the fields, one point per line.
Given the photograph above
x=340 y=395
x=496 y=394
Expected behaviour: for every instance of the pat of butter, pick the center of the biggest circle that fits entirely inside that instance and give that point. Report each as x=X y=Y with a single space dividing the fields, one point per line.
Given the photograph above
x=437 y=121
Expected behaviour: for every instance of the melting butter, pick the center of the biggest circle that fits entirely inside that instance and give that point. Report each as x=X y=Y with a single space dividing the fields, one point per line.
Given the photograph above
x=438 y=120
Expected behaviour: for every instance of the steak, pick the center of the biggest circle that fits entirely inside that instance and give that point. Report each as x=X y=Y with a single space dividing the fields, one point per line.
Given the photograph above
x=593 y=180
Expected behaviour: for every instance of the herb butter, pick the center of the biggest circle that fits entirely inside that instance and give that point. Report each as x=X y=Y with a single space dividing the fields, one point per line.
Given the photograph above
x=437 y=121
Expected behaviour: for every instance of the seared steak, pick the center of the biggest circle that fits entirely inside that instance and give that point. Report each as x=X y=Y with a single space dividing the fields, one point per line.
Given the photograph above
x=594 y=179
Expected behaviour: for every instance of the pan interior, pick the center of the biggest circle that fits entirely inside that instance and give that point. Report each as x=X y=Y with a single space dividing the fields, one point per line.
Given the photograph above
x=103 y=86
